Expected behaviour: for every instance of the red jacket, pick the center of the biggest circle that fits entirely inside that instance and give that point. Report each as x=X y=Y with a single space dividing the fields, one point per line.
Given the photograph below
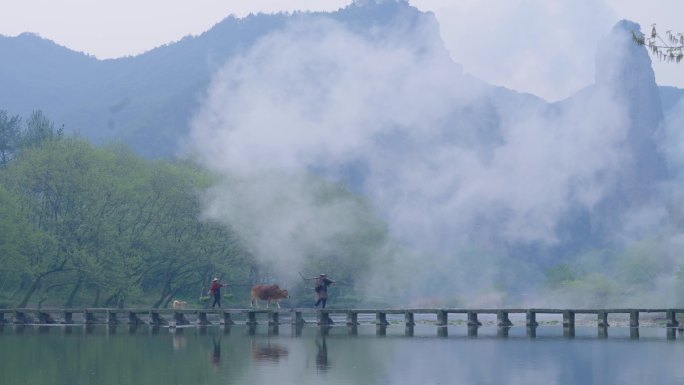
x=215 y=286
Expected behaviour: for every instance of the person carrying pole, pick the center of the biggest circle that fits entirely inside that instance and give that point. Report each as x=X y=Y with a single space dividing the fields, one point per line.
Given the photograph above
x=321 y=288
x=215 y=290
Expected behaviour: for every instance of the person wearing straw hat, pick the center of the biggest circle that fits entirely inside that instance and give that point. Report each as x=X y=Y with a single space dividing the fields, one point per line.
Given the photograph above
x=215 y=290
x=321 y=287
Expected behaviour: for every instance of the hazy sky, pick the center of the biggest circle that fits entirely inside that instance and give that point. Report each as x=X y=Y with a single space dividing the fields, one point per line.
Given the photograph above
x=541 y=46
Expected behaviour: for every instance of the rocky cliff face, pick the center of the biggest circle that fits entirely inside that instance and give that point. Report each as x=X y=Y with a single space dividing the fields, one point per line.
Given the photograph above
x=624 y=70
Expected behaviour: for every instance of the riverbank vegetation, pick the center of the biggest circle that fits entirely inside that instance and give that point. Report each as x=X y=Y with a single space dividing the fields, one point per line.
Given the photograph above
x=82 y=225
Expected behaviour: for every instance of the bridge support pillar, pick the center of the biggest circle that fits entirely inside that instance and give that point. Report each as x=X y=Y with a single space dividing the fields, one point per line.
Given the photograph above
x=133 y=319
x=352 y=318
x=472 y=319
x=602 y=319
x=409 y=318
x=568 y=319
x=68 y=317
x=502 y=318
x=89 y=317
x=531 y=319
x=111 y=318
x=45 y=318
x=671 y=319
x=324 y=318
x=381 y=319
x=634 y=319
x=227 y=320
x=2 y=318
x=20 y=318
x=179 y=319
x=273 y=318
x=297 y=318
x=251 y=318
x=442 y=318
x=156 y=319
x=202 y=319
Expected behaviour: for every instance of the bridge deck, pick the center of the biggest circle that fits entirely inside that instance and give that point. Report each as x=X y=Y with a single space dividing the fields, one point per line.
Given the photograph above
x=177 y=317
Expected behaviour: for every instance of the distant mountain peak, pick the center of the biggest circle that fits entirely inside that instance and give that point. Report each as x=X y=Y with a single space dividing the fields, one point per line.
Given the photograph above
x=378 y=2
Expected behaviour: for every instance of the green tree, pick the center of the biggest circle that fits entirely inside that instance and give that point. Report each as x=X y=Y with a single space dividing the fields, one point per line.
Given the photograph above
x=10 y=134
x=39 y=129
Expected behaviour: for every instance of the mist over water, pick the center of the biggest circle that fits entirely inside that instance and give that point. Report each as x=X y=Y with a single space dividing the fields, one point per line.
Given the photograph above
x=480 y=186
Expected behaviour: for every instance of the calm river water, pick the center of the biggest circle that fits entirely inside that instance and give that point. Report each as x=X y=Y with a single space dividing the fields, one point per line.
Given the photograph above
x=237 y=355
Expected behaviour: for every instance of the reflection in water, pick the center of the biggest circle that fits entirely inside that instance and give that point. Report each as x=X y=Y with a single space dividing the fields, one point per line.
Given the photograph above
x=268 y=353
x=425 y=358
x=297 y=329
x=671 y=333
x=380 y=330
x=503 y=331
x=178 y=339
x=322 y=362
x=569 y=332
x=216 y=353
x=602 y=332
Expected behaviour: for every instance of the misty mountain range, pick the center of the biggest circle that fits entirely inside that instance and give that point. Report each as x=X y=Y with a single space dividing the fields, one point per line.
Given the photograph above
x=148 y=100
x=449 y=159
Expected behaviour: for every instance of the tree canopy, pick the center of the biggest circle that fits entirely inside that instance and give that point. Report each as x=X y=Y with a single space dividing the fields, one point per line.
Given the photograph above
x=668 y=48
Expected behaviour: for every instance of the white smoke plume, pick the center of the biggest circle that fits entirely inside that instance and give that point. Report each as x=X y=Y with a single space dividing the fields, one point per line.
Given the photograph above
x=458 y=170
